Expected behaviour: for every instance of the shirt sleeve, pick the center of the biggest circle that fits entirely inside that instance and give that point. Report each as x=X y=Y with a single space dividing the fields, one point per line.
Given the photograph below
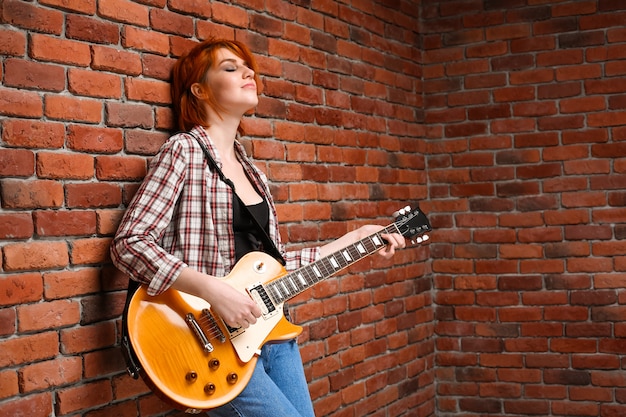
x=135 y=249
x=299 y=258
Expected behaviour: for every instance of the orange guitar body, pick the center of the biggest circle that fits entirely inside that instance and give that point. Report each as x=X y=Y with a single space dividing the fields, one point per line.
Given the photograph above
x=189 y=356
x=175 y=363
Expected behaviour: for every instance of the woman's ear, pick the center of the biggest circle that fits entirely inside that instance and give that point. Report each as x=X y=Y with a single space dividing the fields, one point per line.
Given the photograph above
x=198 y=91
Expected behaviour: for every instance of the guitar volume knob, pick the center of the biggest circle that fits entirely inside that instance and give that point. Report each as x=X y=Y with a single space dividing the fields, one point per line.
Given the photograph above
x=214 y=364
x=209 y=388
x=191 y=376
x=232 y=378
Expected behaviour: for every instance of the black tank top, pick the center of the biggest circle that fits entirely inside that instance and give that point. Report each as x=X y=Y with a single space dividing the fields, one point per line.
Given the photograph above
x=247 y=235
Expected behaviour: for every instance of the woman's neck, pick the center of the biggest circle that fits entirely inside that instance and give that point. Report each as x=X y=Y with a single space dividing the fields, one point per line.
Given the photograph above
x=223 y=136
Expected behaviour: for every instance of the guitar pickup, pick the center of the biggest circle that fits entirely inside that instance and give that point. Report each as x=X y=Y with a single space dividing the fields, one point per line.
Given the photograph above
x=260 y=296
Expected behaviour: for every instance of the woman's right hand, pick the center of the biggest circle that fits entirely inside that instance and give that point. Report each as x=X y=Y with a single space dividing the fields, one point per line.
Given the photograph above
x=235 y=308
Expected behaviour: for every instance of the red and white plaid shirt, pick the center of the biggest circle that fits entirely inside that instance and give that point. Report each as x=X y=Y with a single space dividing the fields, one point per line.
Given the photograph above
x=182 y=215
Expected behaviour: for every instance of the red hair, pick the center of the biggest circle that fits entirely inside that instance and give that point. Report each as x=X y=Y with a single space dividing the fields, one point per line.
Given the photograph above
x=191 y=68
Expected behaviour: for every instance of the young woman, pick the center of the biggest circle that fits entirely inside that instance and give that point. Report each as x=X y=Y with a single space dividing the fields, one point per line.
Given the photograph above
x=186 y=226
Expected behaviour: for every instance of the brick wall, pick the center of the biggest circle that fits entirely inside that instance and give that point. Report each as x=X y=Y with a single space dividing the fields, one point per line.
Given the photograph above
x=84 y=103
x=525 y=111
x=506 y=117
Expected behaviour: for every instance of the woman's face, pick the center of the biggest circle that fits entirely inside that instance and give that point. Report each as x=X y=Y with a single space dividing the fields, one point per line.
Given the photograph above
x=232 y=83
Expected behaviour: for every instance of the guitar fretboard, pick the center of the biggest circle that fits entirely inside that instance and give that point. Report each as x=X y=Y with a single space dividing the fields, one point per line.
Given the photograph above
x=294 y=283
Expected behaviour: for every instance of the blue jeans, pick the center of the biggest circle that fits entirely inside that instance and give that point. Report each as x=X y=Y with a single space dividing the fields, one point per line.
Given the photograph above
x=278 y=387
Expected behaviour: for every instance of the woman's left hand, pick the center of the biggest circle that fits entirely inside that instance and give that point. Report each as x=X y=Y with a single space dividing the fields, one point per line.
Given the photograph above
x=394 y=240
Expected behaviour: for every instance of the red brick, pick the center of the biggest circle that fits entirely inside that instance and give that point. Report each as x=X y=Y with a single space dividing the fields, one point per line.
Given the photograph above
x=129 y=115
x=28 y=16
x=65 y=223
x=16 y=226
x=49 y=374
x=73 y=109
x=170 y=22
x=19 y=103
x=84 y=396
x=32 y=75
x=36 y=405
x=67 y=284
x=96 y=195
x=33 y=134
x=200 y=8
x=90 y=251
x=29 y=348
x=118 y=61
x=87 y=338
x=63 y=51
x=12 y=43
x=20 y=288
x=144 y=143
x=64 y=166
x=95 y=139
x=8 y=384
x=92 y=84
x=31 y=194
x=16 y=162
x=111 y=168
x=207 y=29
x=147 y=40
x=88 y=29
x=124 y=11
x=84 y=6
x=107 y=221
x=43 y=315
x=35 y=256
x=148 y=91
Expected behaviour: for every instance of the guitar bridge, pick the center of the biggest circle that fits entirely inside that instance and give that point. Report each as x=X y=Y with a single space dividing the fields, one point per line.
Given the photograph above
x=206 y=329
x=197 y=330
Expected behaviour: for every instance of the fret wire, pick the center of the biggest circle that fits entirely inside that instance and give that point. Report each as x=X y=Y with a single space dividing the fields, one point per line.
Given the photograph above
x=306 y=274
x=369 y=244
x=298 y=281
x=290 y=284
x=271 y=288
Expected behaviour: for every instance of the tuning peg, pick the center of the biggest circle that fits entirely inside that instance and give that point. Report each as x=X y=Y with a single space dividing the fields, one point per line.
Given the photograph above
x=420 y=239
x=402 y=211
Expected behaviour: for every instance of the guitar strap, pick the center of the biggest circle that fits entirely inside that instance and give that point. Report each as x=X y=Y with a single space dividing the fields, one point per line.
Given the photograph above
x=268 y=244
x=133 y=366
x=132 y=362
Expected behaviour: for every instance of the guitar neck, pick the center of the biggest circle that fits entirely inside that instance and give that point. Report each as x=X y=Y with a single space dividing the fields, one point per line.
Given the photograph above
x=292 y=284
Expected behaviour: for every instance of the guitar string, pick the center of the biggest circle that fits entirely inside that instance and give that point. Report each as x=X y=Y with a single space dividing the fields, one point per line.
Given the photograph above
x=325 y=268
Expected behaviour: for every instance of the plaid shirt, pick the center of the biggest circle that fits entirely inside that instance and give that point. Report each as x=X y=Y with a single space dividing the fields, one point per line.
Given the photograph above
x=182 y=216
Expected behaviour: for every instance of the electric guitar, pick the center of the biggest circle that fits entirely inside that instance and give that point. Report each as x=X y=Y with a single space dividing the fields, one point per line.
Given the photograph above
x=194 y=361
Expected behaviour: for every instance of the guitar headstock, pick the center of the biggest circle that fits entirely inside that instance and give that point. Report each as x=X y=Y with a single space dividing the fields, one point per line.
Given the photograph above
x=412 y=224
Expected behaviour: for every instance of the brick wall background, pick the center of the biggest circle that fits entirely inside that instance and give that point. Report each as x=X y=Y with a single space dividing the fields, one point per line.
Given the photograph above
x=525 y=115
x=84 y=103
x=505 y=119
